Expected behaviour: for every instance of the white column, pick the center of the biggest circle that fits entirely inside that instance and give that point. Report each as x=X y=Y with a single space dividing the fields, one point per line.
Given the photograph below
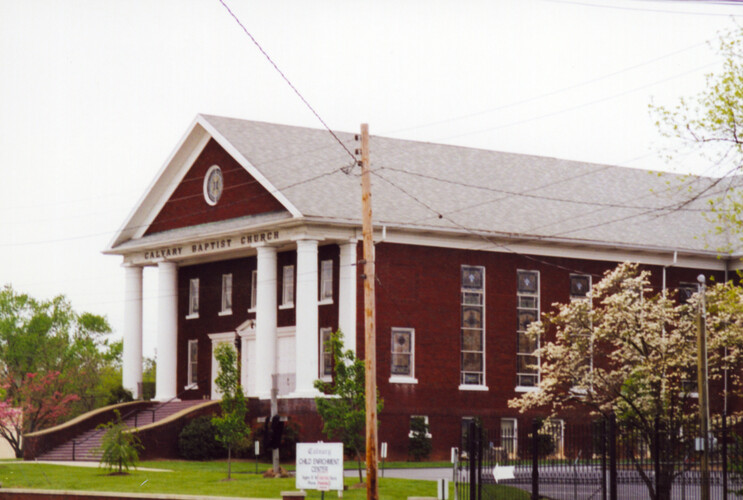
x=131 y=369
x=167 y=331
x=347 y=294
x=265 y=321
x=307 y=345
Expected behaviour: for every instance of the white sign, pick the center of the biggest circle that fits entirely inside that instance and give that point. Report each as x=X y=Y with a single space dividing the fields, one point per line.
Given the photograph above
x=501 y=472
x=443 y=489
x=384 y=450
x=319 y=466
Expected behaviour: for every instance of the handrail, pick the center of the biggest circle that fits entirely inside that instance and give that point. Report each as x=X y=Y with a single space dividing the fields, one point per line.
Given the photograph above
x=129 y=414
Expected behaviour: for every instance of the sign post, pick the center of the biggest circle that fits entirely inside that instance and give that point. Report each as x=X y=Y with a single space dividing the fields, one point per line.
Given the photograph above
x=319 y=466
x=257 y=450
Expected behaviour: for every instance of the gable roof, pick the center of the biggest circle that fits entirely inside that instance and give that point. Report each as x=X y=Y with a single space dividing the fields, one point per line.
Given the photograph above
x=452 y=189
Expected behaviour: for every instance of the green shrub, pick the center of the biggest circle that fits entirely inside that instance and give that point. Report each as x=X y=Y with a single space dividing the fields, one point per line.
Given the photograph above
x=419 y=444
x=287 y=446
x=119 y=395
x=197 y=440
x=119 y=446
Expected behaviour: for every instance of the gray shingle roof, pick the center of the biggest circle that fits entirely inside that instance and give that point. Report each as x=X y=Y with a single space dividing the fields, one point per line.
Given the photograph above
x=451 y=188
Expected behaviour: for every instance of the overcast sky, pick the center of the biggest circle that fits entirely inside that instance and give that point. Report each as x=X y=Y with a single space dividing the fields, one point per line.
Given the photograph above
x=94 y=95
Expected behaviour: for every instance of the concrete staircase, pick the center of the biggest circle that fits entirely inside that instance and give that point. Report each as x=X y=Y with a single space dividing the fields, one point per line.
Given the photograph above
x=84 y=446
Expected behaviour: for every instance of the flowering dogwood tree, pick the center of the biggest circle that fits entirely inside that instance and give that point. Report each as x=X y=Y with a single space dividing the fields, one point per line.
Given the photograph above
x=629 y=351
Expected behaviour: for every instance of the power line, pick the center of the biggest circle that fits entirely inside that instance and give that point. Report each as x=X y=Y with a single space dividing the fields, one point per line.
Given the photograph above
x=573 y=108
x=640 y=9
x=287 y=80
x=551 y=93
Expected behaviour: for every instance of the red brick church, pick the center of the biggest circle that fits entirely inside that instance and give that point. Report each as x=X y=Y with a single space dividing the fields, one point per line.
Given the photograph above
x=255 y=231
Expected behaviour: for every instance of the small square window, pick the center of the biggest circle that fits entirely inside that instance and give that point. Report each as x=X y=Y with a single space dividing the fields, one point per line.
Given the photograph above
x=419 y=423
x=580 y=285
x=528 y=282
x=326 y=281
x=287 y=287
x=472 y=277
x=226 y=294
x=686 y=291
x=193 y=298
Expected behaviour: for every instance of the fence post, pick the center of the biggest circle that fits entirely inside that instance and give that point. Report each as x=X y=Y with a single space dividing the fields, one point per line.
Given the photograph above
x=479 y=461
x=535 y=459
x=604 y=484
x=471 y=449
x=724 y=456
x=656 y=454
x=612 y=457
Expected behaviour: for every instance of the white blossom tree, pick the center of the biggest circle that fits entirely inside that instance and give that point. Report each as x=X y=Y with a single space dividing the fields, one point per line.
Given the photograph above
x=632 y=352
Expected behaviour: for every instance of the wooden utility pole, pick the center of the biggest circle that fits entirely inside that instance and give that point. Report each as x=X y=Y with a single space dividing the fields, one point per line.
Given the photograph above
x=370 y=351
x=702 y=388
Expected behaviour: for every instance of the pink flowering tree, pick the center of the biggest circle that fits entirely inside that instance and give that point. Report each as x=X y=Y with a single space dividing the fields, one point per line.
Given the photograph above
x=51 y=363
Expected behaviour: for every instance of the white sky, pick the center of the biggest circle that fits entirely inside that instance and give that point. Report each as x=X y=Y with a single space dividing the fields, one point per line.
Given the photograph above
x=95 y=94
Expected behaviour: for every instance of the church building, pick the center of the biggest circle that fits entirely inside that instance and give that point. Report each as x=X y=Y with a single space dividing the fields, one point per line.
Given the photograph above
x=255 y=230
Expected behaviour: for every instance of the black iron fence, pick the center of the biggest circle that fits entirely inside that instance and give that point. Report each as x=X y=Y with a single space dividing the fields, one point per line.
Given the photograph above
x=602 y=460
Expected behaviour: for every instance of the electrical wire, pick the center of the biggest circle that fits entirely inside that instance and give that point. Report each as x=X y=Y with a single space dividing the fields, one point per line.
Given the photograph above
x=296 y=91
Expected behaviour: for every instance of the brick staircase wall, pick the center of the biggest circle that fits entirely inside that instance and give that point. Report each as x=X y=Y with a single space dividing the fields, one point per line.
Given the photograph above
x=157 y=426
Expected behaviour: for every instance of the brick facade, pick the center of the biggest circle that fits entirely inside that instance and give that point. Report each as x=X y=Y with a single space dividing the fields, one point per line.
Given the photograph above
x=418 y=287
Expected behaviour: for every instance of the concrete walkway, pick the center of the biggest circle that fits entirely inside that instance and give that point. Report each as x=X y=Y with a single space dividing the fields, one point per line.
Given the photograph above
x=78 y=464
x=432 y=474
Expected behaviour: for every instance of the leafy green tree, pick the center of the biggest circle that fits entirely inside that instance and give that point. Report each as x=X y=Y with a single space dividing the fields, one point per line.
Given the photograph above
x=119 y=446
x=709 y=125
x=232 y=431
x=344 y=416
x=629 y=351
x=47 y=340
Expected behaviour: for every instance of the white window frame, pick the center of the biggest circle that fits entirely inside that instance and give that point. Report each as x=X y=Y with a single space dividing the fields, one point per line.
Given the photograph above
x=253 y=290
x=482 y=386
x=582 y=391
x=217 y=339
x=537 y=297
x=403 y=379
x=323 y=376
x=514 y=439
x=226 y=295
x=287 y=287
x=193 y=298
x=326 y=282
x=559 y=424
x=425 y=419
x=193 y=363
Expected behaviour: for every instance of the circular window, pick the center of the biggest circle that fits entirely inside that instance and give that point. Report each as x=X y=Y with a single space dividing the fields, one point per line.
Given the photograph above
x=213 y=185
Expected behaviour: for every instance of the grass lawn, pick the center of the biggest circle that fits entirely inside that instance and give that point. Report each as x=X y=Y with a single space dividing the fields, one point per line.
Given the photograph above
x=190 y=478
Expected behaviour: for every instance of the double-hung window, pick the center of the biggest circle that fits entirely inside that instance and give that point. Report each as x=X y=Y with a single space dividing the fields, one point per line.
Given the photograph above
x=472 y=372
x=193 y=298
x=326 y=282
x=226 y=295
x=253 y=290
x=527 y=363
x=193 y=363
x=326 y=355
x=287 y=287
x=402 y=356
